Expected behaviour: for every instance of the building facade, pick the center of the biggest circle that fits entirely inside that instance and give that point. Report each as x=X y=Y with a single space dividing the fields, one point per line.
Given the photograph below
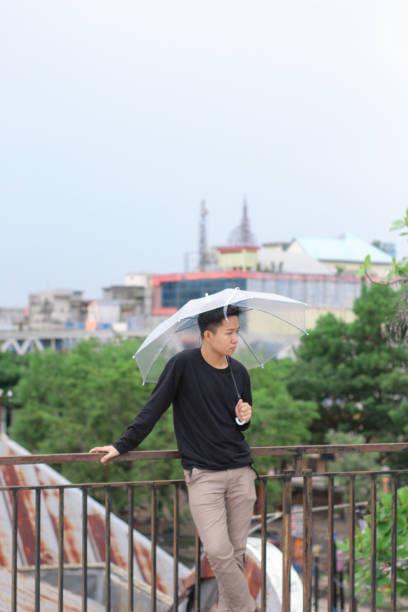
x=57 y=308
x=322 y=293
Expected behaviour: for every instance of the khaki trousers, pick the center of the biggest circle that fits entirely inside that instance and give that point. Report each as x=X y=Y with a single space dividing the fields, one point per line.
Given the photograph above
x=221 y=504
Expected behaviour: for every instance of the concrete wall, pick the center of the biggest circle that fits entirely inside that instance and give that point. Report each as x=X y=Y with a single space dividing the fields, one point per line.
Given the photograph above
x=238 y=260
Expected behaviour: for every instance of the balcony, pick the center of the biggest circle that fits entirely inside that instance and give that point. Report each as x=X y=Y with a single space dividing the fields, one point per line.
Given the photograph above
x=62 y=550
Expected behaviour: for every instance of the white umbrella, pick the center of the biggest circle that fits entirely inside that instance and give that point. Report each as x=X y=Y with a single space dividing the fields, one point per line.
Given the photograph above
x=269 y=322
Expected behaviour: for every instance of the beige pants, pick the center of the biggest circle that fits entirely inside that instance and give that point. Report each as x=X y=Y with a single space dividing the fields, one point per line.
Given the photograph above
x=221 y=504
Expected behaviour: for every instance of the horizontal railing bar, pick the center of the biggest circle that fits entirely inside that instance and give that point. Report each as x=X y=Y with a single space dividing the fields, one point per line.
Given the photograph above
x=158 y=483
x=53 y=459
x=393 y=447
x=95 y=485
x=360 y=473
x=275 y=516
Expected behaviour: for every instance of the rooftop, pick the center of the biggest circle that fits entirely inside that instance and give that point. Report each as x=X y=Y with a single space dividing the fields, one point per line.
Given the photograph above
x=344 y=248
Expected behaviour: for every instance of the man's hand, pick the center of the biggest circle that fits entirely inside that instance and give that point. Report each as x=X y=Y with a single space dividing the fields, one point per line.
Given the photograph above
x=110 y=451
x=243 y=411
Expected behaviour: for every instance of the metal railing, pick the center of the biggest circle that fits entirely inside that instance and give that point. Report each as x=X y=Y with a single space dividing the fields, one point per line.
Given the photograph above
x=297 y=473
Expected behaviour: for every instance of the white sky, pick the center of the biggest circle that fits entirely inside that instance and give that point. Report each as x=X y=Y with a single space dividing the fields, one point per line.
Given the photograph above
x=118 y=117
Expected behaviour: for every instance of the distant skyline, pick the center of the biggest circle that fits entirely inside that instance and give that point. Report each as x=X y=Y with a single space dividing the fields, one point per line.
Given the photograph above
x=117 y=119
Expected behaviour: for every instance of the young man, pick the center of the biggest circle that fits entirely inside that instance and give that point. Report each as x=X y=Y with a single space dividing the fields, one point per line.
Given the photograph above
x=211 y=397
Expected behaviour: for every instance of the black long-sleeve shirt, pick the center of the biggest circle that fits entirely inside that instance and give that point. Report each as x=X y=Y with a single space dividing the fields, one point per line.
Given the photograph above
x=204 y=400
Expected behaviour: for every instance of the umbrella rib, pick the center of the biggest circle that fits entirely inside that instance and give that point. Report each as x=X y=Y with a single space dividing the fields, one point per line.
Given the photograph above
x=251 y=350
x=280 y=319
x=228 y=302
x=155 y=357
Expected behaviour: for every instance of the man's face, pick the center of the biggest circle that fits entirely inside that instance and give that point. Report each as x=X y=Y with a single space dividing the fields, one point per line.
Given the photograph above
x=225 y=338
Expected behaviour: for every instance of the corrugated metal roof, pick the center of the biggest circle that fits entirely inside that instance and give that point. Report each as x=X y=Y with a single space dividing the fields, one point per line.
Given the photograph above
x=49 y=596
x=34 y=475
x=344 y=248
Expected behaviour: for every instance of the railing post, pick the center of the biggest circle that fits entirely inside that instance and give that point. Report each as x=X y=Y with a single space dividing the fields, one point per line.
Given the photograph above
x=316 y=557
x=287 y=538
x=307 y=540
x=153 y=537
x=264 y=514
x=107 y=549
x=373 y=543
x=61 y=551
x=352 y=535
x=84 y=549
x=176 y=535
x=37 y=549
x=330 y=550
x=130 y=548
x=14 y=553
x=297 y=464
x=394 y=517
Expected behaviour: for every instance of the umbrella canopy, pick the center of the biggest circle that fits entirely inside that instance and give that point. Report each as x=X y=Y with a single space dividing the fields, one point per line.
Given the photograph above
x=269 y=322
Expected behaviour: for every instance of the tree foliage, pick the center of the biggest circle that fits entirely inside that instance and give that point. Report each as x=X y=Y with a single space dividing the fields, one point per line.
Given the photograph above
x=354 y=372
x=11 y=369
x=399 y=269
x=278 y=419
x=86 y=397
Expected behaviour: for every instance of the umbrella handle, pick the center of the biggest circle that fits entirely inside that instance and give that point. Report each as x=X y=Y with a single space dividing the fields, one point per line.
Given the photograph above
x=233 y=379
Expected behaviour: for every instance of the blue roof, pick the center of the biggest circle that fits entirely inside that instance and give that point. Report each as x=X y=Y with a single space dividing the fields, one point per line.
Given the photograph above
x=344 y=248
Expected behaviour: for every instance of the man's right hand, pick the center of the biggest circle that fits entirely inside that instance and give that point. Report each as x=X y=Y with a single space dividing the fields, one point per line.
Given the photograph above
x=110 y=451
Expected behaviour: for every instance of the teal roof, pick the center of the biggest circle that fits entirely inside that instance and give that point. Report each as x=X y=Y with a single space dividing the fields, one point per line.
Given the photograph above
x=344 y=248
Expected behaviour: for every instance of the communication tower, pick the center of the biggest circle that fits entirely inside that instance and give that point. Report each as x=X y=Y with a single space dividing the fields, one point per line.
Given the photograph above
x=202 y=244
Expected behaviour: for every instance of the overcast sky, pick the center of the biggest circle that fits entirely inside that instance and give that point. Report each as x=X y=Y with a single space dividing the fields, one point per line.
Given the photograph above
x=118 y=117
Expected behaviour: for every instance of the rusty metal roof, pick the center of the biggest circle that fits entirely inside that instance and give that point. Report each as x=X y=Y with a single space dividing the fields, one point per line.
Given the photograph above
x=43 y=475
x=49 y=596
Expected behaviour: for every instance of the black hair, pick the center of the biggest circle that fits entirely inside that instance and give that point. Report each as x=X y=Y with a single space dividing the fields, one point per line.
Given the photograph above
x=213 y=318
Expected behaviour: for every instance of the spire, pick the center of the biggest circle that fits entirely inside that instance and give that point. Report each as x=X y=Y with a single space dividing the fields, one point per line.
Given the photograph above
x=242 y=235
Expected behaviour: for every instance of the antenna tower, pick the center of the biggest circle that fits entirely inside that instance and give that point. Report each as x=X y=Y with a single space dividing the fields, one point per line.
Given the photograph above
x=202 y=245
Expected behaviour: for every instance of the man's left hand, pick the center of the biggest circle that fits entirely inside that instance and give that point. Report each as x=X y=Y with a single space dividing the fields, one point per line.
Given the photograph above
x=243 y=411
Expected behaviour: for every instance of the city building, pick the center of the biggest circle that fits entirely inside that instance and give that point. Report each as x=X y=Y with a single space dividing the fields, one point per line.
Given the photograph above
x=13 y=318
x=345 y=253
x=318 y=271
x=56 y=308
x=238 y=258
x=322 y=292
x=122 y=307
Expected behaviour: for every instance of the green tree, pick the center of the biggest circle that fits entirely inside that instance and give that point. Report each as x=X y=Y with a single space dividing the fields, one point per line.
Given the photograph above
x=399 y=270
x=384 y=540
x=87 y=397
x=277 y=419
x=357 y=376
x=12 y=367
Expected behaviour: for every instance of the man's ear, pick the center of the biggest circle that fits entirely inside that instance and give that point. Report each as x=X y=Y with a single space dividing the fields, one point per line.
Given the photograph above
x=206 y=334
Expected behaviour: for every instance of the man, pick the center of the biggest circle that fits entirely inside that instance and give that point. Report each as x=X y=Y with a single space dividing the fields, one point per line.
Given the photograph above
x=211 y=397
